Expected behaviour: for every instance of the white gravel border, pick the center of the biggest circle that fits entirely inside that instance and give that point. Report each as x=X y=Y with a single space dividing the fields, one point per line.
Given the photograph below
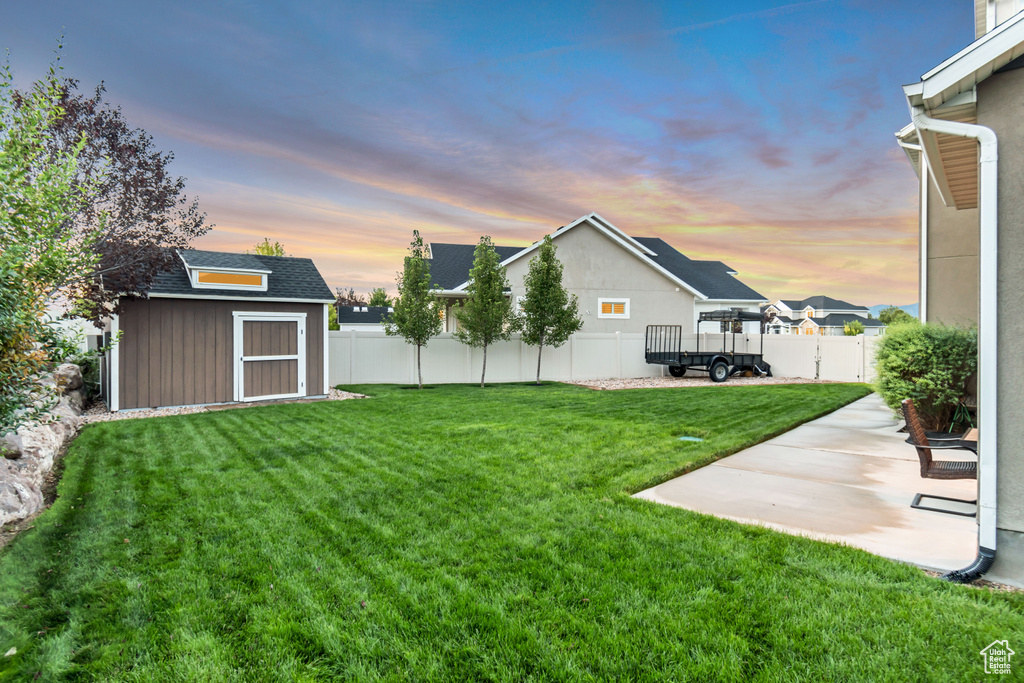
x=99 y=413
x=690 y=382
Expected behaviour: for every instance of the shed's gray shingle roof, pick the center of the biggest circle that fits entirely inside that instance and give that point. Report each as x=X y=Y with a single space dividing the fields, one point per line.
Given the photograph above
x=710 y=278
x=450 y=263
x=290 y=278
x=221 y=259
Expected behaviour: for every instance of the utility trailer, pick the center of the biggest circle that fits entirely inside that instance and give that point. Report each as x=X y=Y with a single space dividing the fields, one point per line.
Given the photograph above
x=663 y=345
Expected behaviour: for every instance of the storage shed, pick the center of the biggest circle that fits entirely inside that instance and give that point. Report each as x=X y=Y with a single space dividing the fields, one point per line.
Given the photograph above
x=221 y=328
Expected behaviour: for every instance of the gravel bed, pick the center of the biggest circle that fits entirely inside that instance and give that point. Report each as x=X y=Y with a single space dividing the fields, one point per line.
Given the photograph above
x=696 y=381
x=98 y=412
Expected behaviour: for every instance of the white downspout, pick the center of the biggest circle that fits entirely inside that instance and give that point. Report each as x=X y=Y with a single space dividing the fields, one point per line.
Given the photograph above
x=988 y=265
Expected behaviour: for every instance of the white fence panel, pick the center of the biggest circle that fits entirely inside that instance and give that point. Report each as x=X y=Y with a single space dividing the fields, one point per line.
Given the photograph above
x=370 y=357
x=791 y=355
x=632 y=364
x=841 y=358
x=555 y=364
x=444 y=360
x=378 y=358
x=870 y=347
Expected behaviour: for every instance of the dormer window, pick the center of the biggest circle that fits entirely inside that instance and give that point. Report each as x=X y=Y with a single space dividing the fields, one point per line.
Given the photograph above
x=213 y=279
x=213 y=270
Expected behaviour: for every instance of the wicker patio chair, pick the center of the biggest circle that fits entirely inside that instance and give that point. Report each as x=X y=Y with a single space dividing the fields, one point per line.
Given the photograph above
x=935 y=469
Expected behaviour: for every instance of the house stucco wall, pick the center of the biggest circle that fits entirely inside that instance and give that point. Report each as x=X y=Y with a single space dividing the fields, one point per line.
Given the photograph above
x=596 y=267
x=1000 y=102
x=952 y=262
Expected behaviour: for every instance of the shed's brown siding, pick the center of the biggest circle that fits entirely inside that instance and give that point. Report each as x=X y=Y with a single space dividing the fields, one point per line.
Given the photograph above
x=177 y=352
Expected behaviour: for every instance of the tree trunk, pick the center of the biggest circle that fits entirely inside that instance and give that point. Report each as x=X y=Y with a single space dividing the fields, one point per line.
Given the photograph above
x=484 y=372
x=540 y=349
x=419 y=369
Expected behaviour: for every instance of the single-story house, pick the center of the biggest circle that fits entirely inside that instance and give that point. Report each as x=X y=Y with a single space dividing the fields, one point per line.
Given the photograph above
x=221 y=328
x=622 y=283
x=964 y=140
x=362 y=317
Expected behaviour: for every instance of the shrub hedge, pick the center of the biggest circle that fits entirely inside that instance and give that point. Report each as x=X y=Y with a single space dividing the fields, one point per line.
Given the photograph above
x=932 y=364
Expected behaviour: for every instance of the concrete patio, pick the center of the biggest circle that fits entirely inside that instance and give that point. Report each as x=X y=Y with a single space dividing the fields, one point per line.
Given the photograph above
x=848 y=477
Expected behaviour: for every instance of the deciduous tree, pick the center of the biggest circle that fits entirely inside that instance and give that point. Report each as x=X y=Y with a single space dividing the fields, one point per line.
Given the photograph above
x=417 y=312
x=893 y=316
x=487 y=315
x=853 y=328
x=348 y=297
x=266 y=248
x=135 y=211
x=379 y=297
x=550 y=315
x=39 y=194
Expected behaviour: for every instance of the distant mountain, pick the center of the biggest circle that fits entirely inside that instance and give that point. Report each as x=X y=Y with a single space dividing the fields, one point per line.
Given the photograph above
x=909 y=308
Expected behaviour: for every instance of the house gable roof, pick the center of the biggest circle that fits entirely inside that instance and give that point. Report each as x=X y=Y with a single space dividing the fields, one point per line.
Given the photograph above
x=713 y=278
x=964 y=70
x=451 y=263
x=220 y=260
x=839 y=319
x=292 y=279
x=825 y=303
x=628 y=243
x=362 y=315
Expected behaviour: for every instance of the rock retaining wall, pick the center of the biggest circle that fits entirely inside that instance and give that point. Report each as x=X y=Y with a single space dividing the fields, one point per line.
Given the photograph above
x=30 y=452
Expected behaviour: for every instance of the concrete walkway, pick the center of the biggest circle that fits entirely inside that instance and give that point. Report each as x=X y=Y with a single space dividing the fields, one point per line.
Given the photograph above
x=847 y=477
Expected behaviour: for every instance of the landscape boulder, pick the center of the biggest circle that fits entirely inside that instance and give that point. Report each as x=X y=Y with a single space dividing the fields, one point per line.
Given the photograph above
x=29 y=453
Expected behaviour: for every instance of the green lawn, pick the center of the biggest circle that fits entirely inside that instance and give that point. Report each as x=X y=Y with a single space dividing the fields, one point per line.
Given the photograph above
x=458 y=534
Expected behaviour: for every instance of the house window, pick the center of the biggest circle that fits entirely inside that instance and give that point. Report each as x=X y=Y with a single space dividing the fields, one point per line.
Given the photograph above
x=613 y=308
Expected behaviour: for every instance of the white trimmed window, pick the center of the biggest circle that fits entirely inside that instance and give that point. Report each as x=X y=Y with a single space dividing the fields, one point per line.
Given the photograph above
x=228 y=279
x=613 y=308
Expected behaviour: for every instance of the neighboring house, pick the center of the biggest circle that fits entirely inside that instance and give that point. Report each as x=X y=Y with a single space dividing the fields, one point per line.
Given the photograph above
x=221 y=328
x=623 y=283
x=80 y=328
x=362 y=317
x=818 y=315
x=972 y=245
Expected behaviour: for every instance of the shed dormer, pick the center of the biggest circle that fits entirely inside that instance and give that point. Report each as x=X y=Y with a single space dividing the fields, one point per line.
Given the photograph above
x=215 y=270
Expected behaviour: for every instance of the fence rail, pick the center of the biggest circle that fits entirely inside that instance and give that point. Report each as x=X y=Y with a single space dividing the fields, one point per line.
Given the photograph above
x=369 y=357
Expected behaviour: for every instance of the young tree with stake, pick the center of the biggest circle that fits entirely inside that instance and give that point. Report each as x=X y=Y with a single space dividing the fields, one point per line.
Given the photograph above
x=487 y=315
x=417 y=312
x=550 y=314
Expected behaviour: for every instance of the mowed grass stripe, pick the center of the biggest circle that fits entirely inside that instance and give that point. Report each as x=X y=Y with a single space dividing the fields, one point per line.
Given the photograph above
x=490 y=534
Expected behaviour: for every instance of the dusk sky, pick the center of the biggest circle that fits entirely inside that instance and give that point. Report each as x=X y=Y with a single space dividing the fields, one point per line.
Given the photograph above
x=755 y=133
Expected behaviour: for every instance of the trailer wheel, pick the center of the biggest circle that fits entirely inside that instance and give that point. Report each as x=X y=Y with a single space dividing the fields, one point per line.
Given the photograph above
x=719 y=372
x=677 y=370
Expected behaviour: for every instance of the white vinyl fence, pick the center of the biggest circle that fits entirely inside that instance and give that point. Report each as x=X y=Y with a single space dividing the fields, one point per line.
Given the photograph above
x=369 y=357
